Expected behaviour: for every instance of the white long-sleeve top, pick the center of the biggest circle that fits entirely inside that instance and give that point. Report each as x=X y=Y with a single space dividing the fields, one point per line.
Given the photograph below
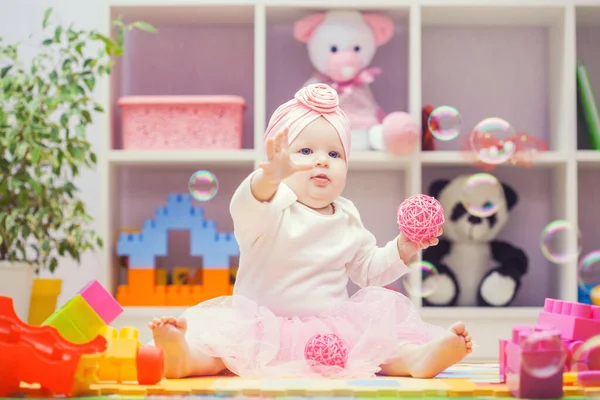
x=296 y=261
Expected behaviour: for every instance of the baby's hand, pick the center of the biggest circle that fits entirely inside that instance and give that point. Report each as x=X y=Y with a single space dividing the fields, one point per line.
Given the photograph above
x=279 y=164
x=408 y=249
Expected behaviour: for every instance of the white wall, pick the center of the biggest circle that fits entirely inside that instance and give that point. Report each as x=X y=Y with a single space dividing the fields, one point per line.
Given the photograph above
x=18 y=20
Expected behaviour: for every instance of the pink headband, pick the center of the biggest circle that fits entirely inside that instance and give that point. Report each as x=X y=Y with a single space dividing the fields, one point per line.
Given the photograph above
x=308 y=104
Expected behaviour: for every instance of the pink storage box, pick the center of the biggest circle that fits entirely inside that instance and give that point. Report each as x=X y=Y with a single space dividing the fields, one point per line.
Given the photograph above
x=182 y=122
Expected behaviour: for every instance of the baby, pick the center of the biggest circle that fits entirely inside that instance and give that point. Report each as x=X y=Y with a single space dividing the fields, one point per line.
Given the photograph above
x=300 y=242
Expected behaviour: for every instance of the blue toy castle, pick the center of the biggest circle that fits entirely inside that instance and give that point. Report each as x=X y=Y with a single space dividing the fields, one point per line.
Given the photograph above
x=179 y=214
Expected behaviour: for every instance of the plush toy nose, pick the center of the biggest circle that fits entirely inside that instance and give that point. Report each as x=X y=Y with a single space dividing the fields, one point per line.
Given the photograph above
x=342 y=66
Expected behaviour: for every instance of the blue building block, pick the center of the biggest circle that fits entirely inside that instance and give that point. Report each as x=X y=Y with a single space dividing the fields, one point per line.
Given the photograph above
x=583 y=296
x=179 y=214
x=202 y=237
x=217 y=255
x=139 y=251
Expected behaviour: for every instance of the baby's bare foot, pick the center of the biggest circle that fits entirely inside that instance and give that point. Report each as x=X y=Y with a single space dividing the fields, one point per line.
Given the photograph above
x=443 y=352
x=169 y=335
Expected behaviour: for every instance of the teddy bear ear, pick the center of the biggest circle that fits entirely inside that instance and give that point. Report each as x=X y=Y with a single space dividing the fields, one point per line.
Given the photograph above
x=381 y=26
x=304 y=28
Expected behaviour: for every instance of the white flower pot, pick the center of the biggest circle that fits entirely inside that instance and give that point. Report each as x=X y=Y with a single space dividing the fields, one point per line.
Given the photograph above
x=16 y=281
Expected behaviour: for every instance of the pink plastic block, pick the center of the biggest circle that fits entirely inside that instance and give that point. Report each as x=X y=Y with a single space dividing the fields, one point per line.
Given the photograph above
x=575 y=321
x=502 y=360
x=102 y=302
x=182 y=122
x=519 y=381
x=589 y=378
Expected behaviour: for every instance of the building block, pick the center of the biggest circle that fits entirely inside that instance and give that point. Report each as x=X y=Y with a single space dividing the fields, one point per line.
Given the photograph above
x=179 y=213
x=182 y=276
x=184 y=295
x=141 y=289
x=142 y=248
x=520 y=381
x=126 y=359
x=131 y=298
x=40 y=355
x=217 y=282
x=76 y=321
x=222 y=246
x=575 y=321
x=44 y=296
x=215 y=248
x=162 y=276
x=101 y=302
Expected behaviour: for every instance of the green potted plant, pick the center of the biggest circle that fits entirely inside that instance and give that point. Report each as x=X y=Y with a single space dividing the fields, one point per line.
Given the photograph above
x=46 y=107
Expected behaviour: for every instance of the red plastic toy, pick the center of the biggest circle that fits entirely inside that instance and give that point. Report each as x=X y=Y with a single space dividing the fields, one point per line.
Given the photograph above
x=38 y=355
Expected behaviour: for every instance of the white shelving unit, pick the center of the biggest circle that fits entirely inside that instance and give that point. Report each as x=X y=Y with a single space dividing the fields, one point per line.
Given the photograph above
x=514 y=59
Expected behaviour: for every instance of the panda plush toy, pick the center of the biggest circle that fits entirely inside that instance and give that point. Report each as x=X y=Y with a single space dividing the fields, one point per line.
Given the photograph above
x=474 y=268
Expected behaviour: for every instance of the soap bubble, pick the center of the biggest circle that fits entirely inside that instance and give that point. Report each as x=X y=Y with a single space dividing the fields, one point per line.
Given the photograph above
x=587 y=356
x=482 y=195
x=554 y=242
x=492 y=140
x=543 y=354
x=589 y=271
x=203 y=185
x=426 y=273
x=445 y=123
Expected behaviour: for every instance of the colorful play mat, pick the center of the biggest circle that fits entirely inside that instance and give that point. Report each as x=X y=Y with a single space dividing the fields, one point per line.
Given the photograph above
x=461 y=381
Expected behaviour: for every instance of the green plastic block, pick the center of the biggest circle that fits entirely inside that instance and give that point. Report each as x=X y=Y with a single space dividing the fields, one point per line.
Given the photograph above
x=71 y=332
x=76 y=321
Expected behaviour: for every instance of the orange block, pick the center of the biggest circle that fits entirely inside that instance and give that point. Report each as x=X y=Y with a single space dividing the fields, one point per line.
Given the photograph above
x=182 y=295
x=153 y=296
x=216 y=282
x=142 y=279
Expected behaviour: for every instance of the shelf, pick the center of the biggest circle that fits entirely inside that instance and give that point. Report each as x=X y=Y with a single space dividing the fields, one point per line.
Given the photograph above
x=473 y=13
x=489 y=313
x=588 y=158
x=287 y=12
x=151 y=312
x=184 y=12
x=456 y=52
x=225 y=158
x=459 y=158
x=375 y=160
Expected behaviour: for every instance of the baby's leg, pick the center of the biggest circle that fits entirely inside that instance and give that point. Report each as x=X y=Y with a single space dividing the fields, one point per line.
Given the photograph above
x=181 y=359
x=429 y=359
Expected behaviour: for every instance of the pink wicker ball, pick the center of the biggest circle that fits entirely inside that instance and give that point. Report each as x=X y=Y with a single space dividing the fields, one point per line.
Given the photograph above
x=326 y=349
x=420 y=217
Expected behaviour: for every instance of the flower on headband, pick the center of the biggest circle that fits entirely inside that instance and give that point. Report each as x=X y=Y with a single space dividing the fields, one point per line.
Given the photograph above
x=318 y=97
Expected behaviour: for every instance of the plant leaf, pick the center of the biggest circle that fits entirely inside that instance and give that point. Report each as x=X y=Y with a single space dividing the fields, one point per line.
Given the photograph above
x=47 y=14
x=5 y=71
x=144 y=26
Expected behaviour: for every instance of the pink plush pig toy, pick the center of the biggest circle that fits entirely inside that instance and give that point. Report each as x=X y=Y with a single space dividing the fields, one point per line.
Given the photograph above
x=341 y=46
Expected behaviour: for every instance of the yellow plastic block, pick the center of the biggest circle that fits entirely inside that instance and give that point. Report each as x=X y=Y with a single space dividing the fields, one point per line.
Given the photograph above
x=44 y=294
x=182 y=275
x=77 y=312
x=86 y=373
x=161 y=276
x=120 y=359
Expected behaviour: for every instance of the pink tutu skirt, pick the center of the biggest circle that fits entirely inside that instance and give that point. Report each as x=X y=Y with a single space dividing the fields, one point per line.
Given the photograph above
x=253 y=342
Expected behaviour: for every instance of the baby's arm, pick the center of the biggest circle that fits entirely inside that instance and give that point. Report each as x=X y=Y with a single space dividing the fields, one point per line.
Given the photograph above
x=256 y=205
x=376 y=266
x=262 y=197
x=263 y=189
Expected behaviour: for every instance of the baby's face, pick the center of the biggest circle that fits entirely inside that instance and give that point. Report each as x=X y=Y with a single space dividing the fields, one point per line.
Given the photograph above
x=320 y=145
